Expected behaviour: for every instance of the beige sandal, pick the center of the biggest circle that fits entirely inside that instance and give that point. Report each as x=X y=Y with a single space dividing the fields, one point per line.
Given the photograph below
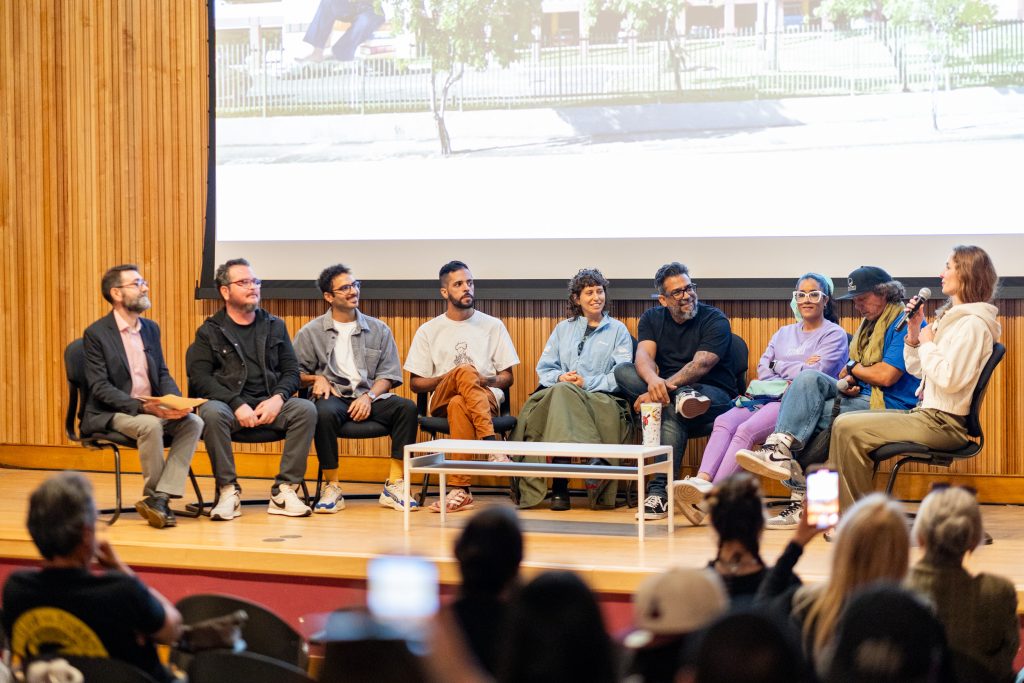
x=456 y=500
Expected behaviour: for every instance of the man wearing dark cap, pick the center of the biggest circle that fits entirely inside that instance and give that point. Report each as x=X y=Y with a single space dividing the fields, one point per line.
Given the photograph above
x=875 y=378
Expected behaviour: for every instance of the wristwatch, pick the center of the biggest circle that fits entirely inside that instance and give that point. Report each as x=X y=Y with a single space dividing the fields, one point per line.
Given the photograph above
x=373 y=396
x=849 y=368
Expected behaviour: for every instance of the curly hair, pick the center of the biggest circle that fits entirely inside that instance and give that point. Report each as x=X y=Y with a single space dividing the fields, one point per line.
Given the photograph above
x=737 y=512
x=326 y=280
x=586 y=277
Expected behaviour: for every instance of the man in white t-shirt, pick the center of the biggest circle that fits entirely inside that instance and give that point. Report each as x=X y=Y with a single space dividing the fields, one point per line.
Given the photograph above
x=465 y=358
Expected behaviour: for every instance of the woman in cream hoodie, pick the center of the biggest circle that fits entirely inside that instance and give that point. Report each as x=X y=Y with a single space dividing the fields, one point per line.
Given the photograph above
x=948 y=356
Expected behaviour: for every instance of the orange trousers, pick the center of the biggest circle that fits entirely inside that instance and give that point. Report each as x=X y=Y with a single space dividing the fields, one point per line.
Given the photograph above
x=468 y=407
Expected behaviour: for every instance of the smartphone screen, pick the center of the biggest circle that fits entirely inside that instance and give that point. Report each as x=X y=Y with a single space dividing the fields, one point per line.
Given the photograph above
x=823 y=498
x=402 y=588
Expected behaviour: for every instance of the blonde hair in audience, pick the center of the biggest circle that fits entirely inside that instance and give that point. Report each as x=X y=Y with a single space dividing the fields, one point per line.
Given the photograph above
x=948 y=525
x=872 y=544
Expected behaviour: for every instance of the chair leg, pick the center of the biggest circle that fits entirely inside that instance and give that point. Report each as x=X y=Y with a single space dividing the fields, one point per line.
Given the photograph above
x=422 y=497
x=193 y=509
x=115 y=512
x=319 y=482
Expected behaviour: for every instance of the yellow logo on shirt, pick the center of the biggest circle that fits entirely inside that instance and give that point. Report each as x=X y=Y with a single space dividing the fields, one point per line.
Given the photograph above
x=48 y=629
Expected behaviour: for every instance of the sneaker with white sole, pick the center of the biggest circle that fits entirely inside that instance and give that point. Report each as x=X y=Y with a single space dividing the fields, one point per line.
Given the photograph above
x=287 y=503
x=789 y=517
x=393 y=495
x=691 y=404
x=655 y=507
x=330 y=500
x=456 y=500
x=229 y=504
x=499 y=457
x=772 y=460
x=692 y=489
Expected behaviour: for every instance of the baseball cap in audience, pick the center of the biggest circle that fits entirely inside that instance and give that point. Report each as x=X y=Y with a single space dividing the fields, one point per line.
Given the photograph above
x=674 y=603
x=864 y=279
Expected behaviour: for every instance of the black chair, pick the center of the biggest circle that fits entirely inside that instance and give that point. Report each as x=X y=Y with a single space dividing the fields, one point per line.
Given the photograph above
x=504 y=423
x=265 y=633
x=78 y=397
x=220 y=666
x=101 y=669
x=920 y=453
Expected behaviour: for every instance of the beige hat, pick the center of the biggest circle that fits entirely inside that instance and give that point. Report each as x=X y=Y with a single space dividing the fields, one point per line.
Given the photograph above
x=676 y=602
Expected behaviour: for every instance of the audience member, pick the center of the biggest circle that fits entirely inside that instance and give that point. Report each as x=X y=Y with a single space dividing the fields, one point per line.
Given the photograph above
x=948 y=356
x=737 y=516
x=126 y=372
x=555 y=634
x=814 y=342
x=668 y=609
x=871 y=544
x=64 y=608
x=242 y=360
x=875 y=378
x=682 y=359
x=886 y=634
x=746 y=646
x=362 y=18
x=489 y=551
x=575 y=403
x=350 y=361
x=979 y=612
x=465 y=358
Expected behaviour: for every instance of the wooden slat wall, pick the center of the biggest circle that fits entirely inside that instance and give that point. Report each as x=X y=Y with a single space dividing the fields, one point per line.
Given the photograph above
x=102 y=160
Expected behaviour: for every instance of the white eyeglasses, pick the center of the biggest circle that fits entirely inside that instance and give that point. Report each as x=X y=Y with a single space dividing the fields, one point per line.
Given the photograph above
x=814 y=296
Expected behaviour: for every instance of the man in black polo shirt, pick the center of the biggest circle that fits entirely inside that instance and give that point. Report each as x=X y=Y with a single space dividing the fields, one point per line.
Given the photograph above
x=682 y=361
x=66 y=608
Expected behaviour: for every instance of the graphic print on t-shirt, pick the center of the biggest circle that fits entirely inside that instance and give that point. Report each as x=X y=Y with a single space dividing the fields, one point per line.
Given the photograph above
x=48 y=629
x=461 y=355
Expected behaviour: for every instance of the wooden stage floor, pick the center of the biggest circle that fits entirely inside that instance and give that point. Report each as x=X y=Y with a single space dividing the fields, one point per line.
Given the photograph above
x=601 y=546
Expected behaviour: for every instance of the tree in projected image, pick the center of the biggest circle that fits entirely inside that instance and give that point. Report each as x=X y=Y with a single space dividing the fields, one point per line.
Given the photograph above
x=640 y=17
x=461 y=34
x=945 y=24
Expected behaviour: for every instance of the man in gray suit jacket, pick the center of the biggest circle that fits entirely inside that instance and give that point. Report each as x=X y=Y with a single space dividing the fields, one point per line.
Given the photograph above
x=124 y=363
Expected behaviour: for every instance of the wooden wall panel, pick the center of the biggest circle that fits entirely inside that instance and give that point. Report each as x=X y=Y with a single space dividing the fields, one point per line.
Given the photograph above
x=102 y=160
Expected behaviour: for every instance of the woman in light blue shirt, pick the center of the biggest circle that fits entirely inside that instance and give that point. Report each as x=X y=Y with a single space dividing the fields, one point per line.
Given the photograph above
x=576 y=370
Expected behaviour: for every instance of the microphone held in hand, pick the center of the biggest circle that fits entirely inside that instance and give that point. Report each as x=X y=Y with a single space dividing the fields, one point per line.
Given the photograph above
x=912 y=306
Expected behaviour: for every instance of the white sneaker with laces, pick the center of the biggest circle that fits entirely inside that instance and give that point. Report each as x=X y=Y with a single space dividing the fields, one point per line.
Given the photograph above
x=692 y=490
x=287 y=503
x=691 y=404
x=789 y=517
x=330 y=500
x=229 y=504
x=772 y=460
x=393 y=495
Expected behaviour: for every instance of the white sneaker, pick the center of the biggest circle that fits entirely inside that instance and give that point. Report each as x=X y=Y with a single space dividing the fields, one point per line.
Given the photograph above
x=287 y=503
x=772 y=460
x=498 y=457
x=330 y=500
x=692 y=490
x=789 y=517
x=229 y=504
x=691 y=404
x=393 y=495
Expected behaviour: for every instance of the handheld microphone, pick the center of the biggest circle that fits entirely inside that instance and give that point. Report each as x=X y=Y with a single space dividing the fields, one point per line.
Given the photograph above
x=912 y=307
x=843 y=384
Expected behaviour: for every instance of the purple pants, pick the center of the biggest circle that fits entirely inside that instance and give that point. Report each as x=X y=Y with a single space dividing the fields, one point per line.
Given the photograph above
x=736 y=429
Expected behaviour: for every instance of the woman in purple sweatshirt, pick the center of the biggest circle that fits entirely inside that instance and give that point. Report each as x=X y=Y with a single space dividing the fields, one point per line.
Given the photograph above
x=815 y=342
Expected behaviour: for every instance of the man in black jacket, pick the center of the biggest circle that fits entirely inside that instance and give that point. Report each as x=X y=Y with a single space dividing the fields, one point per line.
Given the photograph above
x=243 y=362
x=125 y=370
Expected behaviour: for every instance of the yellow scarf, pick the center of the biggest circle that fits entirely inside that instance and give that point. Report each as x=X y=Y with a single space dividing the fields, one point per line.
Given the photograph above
x=868 y=346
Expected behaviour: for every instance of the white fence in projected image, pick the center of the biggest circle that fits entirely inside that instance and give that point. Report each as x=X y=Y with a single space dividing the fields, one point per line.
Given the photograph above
x=805 y=62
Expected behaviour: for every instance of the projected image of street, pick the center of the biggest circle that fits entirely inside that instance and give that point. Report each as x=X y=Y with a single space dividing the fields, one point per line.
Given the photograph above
x=339 y=121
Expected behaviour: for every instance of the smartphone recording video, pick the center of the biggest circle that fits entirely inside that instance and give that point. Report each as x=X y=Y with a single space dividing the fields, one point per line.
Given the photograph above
x=823 y=498
x=402 y=588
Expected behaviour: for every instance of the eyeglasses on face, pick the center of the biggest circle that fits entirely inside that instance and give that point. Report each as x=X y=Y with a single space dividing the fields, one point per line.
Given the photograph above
x=345 y=289
x=140 y=283
x=688 y=290
x=247 y=283
x=814 y=296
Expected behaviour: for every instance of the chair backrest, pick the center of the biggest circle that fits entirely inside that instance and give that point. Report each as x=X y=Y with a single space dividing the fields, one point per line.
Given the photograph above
x=739 y=356
x=377 y=660
x=104 y=669
x=74 y=370
x=974 y=417
x=222 y=666
x=265 y=633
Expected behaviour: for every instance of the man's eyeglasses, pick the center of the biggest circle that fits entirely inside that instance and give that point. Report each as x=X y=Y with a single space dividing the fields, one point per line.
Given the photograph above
x=140 y=283
x=688 y=290
x=247 y=283
x=814 y=296
x=345 y=289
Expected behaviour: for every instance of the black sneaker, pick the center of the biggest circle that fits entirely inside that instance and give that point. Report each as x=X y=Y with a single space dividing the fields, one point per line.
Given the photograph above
x=560 y=501
x=655 y=507
x=154 y=510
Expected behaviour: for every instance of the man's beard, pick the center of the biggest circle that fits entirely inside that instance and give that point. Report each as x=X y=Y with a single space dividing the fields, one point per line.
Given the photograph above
x=681 y=315
x=140 y=304
x=249 y=307
x=457 y=303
